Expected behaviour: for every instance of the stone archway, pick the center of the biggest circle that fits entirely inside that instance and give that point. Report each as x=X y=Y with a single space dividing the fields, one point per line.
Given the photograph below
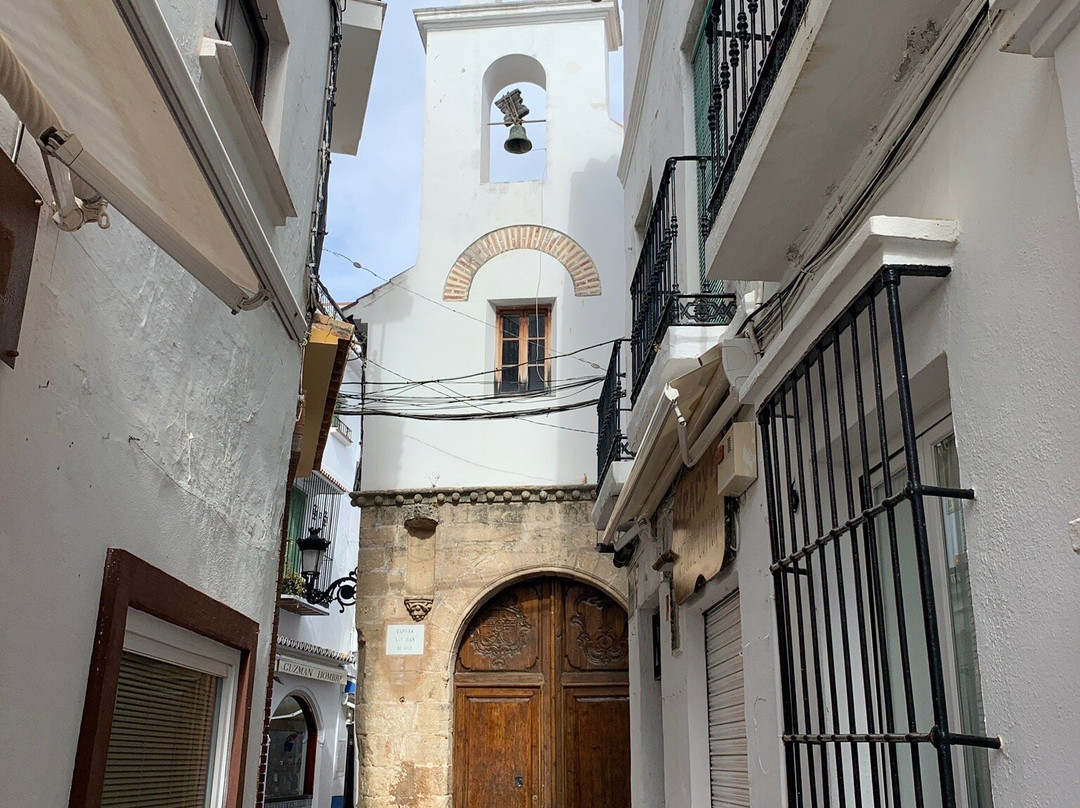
x=523 y=237
x=541 y=683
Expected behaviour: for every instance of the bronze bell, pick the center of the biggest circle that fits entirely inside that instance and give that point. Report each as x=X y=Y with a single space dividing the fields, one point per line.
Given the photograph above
x=517 y=142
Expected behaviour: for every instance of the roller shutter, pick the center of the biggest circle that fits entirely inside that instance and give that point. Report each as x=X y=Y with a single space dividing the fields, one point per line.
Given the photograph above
x=729 y=781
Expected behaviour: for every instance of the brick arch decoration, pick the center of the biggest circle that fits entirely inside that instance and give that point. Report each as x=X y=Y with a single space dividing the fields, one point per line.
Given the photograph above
x=523 y=237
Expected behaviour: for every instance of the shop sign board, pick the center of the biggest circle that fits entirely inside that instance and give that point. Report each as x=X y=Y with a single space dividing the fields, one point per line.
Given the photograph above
x=310 y=671
x=697 y=529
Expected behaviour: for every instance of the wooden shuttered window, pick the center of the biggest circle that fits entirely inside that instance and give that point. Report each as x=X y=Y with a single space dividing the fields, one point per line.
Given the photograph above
x=523 y=361
x=729 y=781
x=162 y=740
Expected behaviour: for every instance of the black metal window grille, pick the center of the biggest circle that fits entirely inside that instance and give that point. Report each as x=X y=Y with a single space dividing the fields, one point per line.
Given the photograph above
x=611 y=444
x=745 y=42
x=866 y=709
x=313 y=504
x=656 y=299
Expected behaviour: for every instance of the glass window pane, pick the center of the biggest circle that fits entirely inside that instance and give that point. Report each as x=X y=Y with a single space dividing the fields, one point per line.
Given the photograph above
x=509 y=381
x=509 y=353
x=536 y=378
x=976 y=761
x=286 y=763
x=510 y=325
x=536 y=351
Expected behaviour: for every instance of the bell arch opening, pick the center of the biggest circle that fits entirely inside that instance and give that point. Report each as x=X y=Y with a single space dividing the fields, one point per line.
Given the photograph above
x=558 y=245
x=513 y=71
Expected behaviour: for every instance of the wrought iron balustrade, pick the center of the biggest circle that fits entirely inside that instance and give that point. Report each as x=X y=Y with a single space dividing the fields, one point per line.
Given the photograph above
x=746 y=42
x=656 y=298
x=611 y=444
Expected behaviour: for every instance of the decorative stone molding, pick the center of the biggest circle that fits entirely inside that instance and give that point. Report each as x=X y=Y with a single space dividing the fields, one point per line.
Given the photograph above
x=315 y=650
x=418 y=607
x=421 y=518
x=473 y=496
x=523 y=237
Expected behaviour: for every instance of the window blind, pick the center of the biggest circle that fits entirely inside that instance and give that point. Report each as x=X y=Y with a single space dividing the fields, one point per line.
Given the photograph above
x=162 y=736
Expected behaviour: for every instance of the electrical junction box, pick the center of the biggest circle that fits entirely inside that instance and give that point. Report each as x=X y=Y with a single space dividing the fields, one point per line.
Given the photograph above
x=736 y=459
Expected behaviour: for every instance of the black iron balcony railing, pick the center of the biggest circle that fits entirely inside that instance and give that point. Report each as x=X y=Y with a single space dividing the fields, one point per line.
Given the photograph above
x=746 y=41
x=657 y=301
x=611 y=444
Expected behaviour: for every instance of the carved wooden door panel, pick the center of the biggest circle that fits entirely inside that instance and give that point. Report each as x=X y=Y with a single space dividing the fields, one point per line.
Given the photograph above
x=541 y=708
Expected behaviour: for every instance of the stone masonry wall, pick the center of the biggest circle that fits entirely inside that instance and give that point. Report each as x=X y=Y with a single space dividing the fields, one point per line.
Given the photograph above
x=452 y=549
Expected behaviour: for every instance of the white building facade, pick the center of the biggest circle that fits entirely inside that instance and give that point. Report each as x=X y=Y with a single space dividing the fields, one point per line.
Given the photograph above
x=151 y=376
x=485 y=361
x=852 y=564
x=315 y=662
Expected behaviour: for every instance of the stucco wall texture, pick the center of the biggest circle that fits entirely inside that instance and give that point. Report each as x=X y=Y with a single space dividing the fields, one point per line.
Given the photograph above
x=1004 y=326
x=143 y=415
x=403 y=711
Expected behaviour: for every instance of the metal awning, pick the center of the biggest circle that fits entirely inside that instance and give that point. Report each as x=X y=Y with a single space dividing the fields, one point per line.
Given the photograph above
x=107 y=76
x=658 y=459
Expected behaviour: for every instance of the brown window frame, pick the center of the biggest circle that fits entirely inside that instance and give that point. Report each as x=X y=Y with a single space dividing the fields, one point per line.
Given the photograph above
x=130 y=582
x=524 y=336
x=225 y=21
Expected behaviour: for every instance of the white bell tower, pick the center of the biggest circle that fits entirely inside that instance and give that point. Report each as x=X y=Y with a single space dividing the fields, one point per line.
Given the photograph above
x=549 y=244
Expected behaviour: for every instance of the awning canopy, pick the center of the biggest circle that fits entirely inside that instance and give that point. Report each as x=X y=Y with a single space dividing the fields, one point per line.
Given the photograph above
x=325 y=356
x=658 y=459
x=129 y=121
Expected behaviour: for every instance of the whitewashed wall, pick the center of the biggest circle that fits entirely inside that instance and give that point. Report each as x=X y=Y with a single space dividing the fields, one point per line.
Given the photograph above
x=335 y=630
x=429 y=338
x=997 y=161
x=142 y=415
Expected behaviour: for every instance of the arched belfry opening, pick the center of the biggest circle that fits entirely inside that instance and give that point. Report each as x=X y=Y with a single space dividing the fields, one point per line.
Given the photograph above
x=541 y=686
x=514 y=72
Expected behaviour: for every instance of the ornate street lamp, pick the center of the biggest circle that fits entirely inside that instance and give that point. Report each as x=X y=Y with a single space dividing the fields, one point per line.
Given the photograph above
x=312 y=549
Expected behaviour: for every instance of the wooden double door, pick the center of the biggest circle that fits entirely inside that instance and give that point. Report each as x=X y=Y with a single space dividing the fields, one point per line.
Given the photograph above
x=541 y=701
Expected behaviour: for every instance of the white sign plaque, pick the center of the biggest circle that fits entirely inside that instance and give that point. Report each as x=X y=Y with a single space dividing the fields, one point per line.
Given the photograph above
x=405 y=640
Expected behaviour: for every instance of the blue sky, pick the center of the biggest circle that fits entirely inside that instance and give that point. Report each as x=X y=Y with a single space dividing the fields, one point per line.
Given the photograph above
x=374 y=206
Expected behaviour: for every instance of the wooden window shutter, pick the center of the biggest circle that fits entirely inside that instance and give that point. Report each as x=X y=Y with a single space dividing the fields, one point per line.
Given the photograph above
x=162 y=736
x=728 y=775
x=18 y=232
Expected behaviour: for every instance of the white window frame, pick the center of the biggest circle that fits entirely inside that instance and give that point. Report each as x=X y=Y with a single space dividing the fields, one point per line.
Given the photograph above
x=158 y=639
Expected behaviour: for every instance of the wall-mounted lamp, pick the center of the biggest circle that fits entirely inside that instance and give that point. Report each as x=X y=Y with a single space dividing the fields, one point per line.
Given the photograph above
x=312 y=549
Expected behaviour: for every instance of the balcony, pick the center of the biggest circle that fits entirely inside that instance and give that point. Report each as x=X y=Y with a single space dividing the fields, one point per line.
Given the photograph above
x=745 y=44
x=658 y=303
x=611 y=444
x=801 y=105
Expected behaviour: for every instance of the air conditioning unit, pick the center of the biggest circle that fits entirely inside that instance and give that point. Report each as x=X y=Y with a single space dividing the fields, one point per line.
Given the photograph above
x=736 y=459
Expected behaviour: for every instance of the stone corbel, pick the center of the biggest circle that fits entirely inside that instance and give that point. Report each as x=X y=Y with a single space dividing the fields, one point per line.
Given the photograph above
x=420 y=523
x=418 y=607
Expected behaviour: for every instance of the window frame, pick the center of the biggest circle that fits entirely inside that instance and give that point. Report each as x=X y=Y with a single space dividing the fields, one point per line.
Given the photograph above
x=523 y=349
x=158 y=639
x=224 y=24
x=933 y=426
x=129 y=583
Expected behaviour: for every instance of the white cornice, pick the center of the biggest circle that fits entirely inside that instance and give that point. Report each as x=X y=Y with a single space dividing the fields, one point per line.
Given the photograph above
x=641 y=82
x=537 y=12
